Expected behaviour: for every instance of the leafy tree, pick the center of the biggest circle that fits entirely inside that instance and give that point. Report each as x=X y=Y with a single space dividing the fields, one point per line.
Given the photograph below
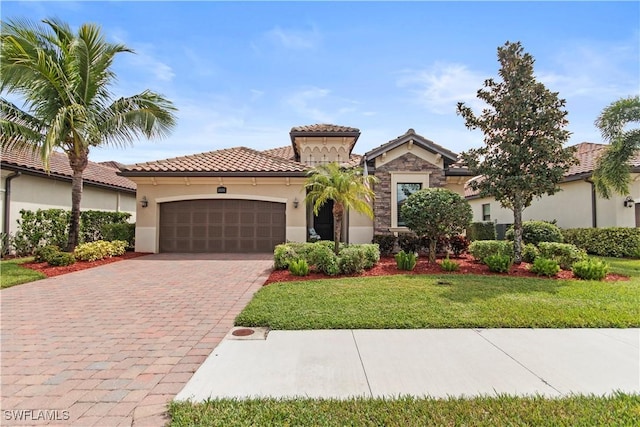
x=612 y=170
x=436 y=213
x=347 y=187
x=64 y=79
x=523 y=125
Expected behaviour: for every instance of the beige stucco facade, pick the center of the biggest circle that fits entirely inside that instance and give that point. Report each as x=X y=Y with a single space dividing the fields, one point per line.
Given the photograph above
x=571 y=207
x=31 y=192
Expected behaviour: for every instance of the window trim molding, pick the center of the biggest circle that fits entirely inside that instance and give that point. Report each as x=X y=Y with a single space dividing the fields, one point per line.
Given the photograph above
x=404 y=177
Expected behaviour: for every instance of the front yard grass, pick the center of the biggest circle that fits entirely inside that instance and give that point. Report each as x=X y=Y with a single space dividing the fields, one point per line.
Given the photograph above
x=12 y=273
x=616 y=410
x=448 y=301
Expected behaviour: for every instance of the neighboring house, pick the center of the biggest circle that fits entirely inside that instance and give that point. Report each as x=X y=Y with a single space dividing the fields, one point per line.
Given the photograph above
x=244 y=200
x=27 y=185
x=577 y=205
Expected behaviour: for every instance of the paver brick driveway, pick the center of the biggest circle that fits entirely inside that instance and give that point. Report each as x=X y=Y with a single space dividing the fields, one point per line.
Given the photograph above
x=113 y=344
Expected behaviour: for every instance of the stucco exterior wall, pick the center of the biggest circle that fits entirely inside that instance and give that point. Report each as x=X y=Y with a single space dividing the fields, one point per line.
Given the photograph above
x=571 y=207
x=318 y=150
x=280 y=190
x=33 y=193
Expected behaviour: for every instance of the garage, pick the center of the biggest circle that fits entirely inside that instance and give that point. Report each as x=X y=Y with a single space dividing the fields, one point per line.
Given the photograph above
x=221 y=225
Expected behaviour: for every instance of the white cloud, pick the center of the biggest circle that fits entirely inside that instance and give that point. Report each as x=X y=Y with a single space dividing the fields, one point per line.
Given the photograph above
x=294 y=39
x=440 y=87
x=305 y=103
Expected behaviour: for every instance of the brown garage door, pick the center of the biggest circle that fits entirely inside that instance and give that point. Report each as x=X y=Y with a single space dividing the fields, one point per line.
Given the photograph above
x=221 y=226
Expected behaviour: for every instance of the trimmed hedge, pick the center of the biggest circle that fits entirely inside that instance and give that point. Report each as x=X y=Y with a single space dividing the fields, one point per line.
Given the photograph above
x=385 y=242
x=481 y=249
x=320 y=256
x=482 y=231
x=564 y=254
x=619 y=242
x=101 y=249
x=537 y=231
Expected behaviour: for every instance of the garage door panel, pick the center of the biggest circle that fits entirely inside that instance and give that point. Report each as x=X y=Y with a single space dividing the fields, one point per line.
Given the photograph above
x=221 y=225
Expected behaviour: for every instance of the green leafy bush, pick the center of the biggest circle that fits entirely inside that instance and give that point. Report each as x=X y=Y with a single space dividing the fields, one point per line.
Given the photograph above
x=371 y=254
x=535 y=232
x=92 y=222
x=406 y=261
x=620 y=242
x=41 y=228
x=448 y=265
x=100 y=249
x=564 y=253
x=323 y=259
x=530 y=252
x=386 y=243
x=481 y=249
x=590 y=269
x=351 y=260
x=44 y=253
x=120 y=231
x=283 y=255
x=299 y=267
x=545 y=267
x=499 y=263
x=61 y=259
x=459 y=244
x=481 y=231
x=410 y=243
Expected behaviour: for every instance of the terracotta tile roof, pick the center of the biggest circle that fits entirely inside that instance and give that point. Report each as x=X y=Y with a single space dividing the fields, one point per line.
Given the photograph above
x=324 y=127
x=95 y=173
x=411 y=134
x=285 y=152
x=587 y=154
x=238 y=160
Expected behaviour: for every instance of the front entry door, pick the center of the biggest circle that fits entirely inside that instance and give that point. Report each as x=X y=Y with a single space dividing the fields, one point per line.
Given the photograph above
x=323 y=222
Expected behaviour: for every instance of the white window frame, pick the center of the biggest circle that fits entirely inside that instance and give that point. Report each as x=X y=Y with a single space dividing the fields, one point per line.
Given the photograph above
x=404 y=178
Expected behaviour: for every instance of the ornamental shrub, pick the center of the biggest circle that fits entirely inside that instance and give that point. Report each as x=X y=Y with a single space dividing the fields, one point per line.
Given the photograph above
x=371 y=254
x=410 y=243
x=458 y=244
x=299 y=267
x=448 y=265
x=499 y=263
x=590 y=269
x=283 y=255
x=92 y=222
x=120 y=231
x=481 y=231
x=61 y=259
x=386 y=243
x=481 y=249
x=406 y=261
x=44 y=253
x=535 y=232
x=620 y=242
x=41 y=228
x=529 y=253
x=545 y=267
x=352 y=259
x=100 y=249
x=322 y=258
x=564 y=253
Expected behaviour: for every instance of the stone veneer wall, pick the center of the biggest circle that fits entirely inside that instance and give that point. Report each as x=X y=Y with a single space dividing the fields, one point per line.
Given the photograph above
x=406 y=163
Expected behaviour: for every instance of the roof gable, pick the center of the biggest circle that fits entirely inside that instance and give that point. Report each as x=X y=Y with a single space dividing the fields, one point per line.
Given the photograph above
x=410 y=136
x=95 y=173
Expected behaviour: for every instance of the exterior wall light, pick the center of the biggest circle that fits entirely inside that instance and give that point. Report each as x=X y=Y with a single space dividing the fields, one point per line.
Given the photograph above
x=295 y=203
x=144 y=202
x=628 y=202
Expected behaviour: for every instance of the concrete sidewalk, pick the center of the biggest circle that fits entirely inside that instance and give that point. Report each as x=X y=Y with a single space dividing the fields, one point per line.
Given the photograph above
x=426 y=362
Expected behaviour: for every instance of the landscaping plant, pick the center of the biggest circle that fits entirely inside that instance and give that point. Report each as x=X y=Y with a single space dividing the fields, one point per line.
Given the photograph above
x=565 y=254
x=481 y=249
x=590 y=269
x=499 y=263
x=299 y=267
x=459 y=244
x=535 y=232
x=448 y=265
x=530 y=252
x=545 y=267
x=386 y=243
x=406 y=261
x=61 y=259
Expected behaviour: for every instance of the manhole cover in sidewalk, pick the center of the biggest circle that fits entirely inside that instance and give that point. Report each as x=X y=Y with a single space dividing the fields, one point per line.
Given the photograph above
x=242 y=332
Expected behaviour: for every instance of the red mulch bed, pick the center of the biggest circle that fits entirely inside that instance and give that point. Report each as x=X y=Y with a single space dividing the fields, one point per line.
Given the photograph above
x=50 y=271
x=387 y=266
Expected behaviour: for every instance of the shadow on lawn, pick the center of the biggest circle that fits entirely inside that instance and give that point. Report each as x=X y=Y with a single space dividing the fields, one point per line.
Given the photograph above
x=468 y=288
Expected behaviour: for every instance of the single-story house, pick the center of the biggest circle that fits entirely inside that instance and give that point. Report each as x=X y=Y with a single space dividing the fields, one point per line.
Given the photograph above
x=244 y=200
x=27 y=185
x=577 y=205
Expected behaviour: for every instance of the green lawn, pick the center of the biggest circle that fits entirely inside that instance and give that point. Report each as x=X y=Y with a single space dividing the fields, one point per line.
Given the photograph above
x=618 y=410
x=448 y=301
x=11 y=273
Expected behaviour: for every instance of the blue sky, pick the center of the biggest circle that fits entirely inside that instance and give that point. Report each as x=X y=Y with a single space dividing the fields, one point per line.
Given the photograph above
x=244 y=73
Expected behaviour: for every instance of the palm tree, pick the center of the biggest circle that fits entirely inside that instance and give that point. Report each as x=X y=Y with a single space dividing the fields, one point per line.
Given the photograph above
x=612 y=169
x=347 y=187
x=63 y=79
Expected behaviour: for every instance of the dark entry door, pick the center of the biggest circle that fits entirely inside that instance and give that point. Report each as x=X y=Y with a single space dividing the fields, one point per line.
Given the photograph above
x=323 y=222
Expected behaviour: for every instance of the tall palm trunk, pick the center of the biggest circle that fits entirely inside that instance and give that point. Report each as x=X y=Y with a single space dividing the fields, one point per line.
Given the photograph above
x=338 y=214
x=78 y=163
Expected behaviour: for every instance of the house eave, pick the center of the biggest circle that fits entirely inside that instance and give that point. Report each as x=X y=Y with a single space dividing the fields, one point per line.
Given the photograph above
x=211 y=174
